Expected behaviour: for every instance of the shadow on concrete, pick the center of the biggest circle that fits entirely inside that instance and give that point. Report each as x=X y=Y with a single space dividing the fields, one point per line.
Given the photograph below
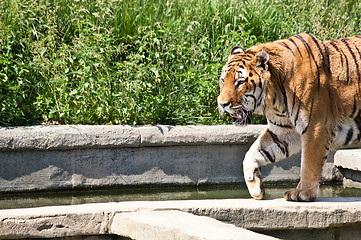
x=122 y=166
x=339 y=199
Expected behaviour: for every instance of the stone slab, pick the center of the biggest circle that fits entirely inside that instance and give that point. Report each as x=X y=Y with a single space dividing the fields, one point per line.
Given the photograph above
x=199 y=135
x=93 y=219
x=165 y=225
x=67 y=137
x=350 y=159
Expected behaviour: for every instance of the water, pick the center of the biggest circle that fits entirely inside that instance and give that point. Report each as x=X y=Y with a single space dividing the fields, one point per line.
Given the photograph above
x=26 y=200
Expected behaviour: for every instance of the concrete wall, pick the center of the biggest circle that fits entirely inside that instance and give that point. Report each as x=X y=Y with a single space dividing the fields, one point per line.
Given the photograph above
x=52 y=157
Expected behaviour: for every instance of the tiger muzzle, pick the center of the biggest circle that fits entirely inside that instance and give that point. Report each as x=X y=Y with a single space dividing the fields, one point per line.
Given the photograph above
x=242 y=117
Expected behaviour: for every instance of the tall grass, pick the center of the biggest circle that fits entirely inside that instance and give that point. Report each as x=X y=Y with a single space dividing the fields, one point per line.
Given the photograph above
x=139 y=61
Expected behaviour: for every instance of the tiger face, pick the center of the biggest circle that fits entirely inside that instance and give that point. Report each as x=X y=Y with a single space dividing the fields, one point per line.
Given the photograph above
x=241 y=84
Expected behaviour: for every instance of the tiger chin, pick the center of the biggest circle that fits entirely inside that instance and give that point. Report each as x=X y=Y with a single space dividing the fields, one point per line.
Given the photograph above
x=309 y=91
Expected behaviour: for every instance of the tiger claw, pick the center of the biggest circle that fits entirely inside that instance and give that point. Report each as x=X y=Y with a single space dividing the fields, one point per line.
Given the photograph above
x=298 y=195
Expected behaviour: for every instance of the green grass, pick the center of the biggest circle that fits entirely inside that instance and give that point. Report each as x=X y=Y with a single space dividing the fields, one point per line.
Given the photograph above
x=139 y=62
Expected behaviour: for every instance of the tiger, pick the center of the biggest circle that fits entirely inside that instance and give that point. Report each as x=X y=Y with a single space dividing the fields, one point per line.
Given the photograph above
x=310 y=93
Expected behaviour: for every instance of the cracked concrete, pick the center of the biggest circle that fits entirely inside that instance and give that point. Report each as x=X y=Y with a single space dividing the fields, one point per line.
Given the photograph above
x=103 y=218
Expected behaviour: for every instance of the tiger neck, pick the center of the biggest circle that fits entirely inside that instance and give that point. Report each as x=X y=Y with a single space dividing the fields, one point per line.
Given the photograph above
x=280 y=68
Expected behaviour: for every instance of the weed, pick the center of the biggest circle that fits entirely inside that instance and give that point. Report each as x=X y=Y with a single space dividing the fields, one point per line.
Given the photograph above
x=141 y=61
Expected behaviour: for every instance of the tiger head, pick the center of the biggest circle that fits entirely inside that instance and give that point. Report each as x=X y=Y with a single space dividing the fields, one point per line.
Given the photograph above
x=242 y=84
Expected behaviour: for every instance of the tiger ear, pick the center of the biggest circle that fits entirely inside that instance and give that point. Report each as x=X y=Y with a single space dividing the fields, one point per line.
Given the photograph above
x=262 y=59
x=236 y=49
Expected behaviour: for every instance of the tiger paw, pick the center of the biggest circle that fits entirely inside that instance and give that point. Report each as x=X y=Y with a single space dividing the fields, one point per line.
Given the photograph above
x=254 y=183
x=298 y=195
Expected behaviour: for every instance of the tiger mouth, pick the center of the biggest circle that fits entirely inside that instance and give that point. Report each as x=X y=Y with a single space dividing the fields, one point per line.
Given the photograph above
x=241 y=117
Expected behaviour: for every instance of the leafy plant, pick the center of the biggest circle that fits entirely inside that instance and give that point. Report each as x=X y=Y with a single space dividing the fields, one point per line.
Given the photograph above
x=141 y=61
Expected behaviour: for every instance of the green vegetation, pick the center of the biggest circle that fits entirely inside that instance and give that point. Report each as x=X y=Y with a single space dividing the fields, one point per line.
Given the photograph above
x=139 y=61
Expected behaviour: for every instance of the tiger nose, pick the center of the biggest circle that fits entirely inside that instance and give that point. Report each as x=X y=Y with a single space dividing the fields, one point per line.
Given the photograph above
x=224 y=104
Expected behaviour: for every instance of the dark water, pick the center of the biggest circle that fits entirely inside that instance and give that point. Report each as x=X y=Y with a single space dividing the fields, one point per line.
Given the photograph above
x=26 y=200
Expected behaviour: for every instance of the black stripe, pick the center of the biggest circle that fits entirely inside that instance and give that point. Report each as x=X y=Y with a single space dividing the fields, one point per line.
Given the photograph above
x=293 y=101
x=274 y=99
x=327 y=59
x=282 y=145
x=259 y=100
x=266 y=155
x=359 y=83
x=281 y=115
x=250 y=53
x=309 y=118
x=327 y=147
x=280 y=124
x=338 y=50
x=318 y=46
x=353 y=107
x=283 y=91
x=281 y=87
x=233 y=61
x=347 y=66
x=348 y=136
x=358 y=124
x=294 y=43
x=313 y=57
x=260 y=82
x=254 y=86
x=286 y=46
x=358 y=51
x=273 y=54
x=344 y=40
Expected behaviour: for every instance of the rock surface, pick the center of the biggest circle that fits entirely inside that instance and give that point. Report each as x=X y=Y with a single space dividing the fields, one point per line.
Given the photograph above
x=348 y=158
x=104 y=218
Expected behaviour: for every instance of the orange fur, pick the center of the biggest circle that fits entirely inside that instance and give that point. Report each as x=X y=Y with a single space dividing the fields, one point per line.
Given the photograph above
x=310 y=93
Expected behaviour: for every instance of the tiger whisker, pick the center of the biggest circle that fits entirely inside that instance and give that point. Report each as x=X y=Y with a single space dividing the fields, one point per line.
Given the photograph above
x=237 y=107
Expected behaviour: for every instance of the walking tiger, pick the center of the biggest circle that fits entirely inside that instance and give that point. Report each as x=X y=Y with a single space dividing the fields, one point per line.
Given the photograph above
x=309 y=91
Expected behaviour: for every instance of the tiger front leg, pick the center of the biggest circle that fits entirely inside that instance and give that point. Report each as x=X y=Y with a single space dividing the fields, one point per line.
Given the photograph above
x=273 y=145
x=314 y=154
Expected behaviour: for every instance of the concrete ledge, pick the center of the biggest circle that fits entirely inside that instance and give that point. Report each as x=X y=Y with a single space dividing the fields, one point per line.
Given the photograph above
x=199 y=135
x=111 y=218
x=69 y=137
x=66 y=157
